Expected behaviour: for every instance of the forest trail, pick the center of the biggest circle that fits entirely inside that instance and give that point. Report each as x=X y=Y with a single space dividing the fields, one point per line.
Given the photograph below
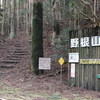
x=17 y=82
x=13 y=52
x=14 y=55
x=15 y=59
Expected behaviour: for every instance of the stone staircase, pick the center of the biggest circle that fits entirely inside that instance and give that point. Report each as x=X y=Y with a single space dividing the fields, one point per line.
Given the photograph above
x=13 y=56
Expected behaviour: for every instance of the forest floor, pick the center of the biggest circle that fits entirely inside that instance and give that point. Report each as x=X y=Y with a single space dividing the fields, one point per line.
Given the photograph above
x=19 y=83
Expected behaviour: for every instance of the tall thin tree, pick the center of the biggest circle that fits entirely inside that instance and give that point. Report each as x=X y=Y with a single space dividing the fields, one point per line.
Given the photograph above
x=12 y=33
x=3 y=18
x=18 y=15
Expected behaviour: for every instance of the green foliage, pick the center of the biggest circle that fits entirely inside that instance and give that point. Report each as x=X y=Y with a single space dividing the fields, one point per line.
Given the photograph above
x=23 y=11
x=23 y=1
x=56 y=96
x=61 y=45
x=66 y=10
x=1 y=10
x=71 y=2
x=37 y=37
x=48 y=13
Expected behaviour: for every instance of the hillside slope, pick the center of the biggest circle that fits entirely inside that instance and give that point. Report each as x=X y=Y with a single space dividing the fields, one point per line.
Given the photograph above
x=17 y=82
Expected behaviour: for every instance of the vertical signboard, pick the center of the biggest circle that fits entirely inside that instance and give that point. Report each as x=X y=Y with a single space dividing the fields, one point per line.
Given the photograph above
x=72 y=70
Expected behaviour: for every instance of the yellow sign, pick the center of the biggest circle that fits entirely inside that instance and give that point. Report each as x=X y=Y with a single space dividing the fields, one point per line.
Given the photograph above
x=89 y=61
x=61 y=61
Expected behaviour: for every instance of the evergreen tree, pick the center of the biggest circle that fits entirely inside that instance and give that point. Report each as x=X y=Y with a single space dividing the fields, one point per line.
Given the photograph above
x=37 y=37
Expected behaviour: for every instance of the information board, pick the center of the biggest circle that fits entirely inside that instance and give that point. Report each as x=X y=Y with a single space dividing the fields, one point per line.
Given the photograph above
x=45 y=63
x=74 y=57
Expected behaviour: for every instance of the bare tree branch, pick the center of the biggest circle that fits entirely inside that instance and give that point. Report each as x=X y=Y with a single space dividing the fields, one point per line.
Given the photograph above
x=83 y=13
x=91 y=9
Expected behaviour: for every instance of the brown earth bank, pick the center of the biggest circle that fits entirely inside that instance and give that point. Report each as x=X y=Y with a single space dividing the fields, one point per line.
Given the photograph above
x=17 y=82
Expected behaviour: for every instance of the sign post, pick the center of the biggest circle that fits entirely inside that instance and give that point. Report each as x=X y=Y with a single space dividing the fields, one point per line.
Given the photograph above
x=61 y=62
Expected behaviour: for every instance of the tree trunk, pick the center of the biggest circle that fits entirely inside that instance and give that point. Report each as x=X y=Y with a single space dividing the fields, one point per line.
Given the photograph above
x=9 y=15
x=37 y=37
x=3 y=18
x=12 y=33
x=95 y=6
x=22 y=16
x=18 y=15
x=30 y=22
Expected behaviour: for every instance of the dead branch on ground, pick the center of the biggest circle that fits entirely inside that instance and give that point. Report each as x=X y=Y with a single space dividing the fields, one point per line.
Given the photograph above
x=50 y=75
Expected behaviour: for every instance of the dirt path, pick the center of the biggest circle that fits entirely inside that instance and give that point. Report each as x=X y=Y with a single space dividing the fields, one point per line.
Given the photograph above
x=19 y=83
x=43 y=89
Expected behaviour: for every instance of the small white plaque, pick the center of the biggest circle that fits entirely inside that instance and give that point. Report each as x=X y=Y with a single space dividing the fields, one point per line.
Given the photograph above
x=45 y=63
x=74 y=57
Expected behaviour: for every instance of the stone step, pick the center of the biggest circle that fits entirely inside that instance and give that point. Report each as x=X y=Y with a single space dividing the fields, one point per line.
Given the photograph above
x=10 y=58
x=2 y=48
x=9 y=61
x=16 y=45
x=19 y=53
x=6 y=66
x=3 y=73
x=15 y=56
x=13 y=49
x=19 y=49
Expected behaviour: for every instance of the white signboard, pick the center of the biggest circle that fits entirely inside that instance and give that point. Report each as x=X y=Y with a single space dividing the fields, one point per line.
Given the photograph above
x=84 y=42
x=45 y=63
x=72 y=70
x=74 y=57
x=74 y=42
x=95 y=41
